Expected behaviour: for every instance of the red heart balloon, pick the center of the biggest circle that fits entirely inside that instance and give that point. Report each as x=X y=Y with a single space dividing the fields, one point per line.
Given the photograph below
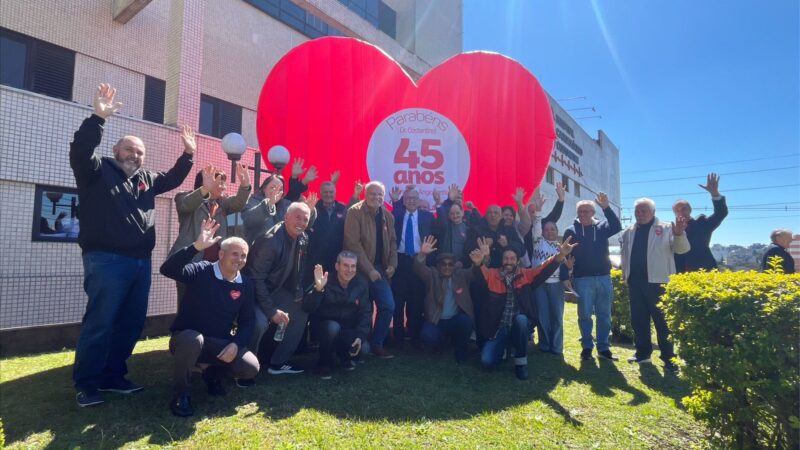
x=479 y=119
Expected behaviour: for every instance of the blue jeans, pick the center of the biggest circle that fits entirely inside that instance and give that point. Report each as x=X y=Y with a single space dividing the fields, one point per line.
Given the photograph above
x=517 y=336
x=550 y=303
x=458 y=327
x=594 y=296
x=118 y=288
x=381 y=294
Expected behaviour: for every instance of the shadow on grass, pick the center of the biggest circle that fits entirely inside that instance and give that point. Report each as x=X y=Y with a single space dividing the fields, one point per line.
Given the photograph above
x=410 y=388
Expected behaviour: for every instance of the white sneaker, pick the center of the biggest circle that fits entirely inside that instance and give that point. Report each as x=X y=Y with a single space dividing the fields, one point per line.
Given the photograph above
x=634 y=359
x=286 y=368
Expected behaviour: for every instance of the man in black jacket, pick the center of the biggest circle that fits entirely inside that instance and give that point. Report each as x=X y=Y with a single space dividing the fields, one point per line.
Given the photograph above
x=699 y=229
x=341 y=316
x=217 y=300
x=781 y=240
x=117 y=236
x=276 y=266
x=326 y=235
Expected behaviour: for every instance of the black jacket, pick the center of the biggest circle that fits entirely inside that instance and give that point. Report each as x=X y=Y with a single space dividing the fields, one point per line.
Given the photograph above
x=326 y=237
x=349 y=306
x=787 y=263
x=483 y=230
x=117 y=213
x=268 y=264
x=698 y=231
x=591 y=254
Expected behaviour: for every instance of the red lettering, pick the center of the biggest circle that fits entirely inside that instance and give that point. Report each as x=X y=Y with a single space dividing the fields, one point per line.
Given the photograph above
x=412 y=160
x=430 y=149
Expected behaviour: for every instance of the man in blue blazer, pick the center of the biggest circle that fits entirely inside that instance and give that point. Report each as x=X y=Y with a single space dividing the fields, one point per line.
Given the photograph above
x=411 y=225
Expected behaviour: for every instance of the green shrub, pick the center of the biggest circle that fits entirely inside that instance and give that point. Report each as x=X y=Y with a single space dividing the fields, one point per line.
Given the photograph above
x=621 y=327
x=738 y=334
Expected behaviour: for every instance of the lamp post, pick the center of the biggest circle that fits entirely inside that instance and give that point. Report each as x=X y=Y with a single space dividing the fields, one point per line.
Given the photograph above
x=234 y=146
x=278 y=156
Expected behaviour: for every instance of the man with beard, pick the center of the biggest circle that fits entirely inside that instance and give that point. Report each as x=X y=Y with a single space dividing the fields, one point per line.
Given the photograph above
x=509 y=312
x=117 y=236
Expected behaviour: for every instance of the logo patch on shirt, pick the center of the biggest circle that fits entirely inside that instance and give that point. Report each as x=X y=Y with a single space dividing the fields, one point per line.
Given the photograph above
x=235 y=294
x=358 y=301
x=142 y=186
x=339 y=215
x=459 y=291
x=659 y=231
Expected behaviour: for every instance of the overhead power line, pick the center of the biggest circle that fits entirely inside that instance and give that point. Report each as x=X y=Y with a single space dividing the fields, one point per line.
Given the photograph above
x=711 y=164
x=701 y=176
x=763 y=217
x=758 y=188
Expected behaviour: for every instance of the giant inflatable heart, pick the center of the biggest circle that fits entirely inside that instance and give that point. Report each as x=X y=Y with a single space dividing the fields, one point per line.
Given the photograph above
x=479 y=120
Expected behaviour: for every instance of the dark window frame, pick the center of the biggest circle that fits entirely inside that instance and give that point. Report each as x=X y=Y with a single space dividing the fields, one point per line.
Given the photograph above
x=155 y=91
x=550 y=176
x=565 y=181
x=73 y=208
x=36 y=49
x=286 y=12
x=219 y=120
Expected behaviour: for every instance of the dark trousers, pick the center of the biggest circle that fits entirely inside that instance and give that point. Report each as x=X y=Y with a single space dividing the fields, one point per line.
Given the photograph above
x=644 y=306
x=191 y=348
x=118 y=288
x=295 y=329
x=409 y=297
x=334 y=338
x=458 y=328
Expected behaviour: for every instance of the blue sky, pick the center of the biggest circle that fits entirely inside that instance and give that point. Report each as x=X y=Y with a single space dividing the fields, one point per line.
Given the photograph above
x=709 y=84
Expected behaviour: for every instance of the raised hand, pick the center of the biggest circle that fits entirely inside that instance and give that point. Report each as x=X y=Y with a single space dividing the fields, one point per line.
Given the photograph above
x=428 y=245
x=358 y=189
x=335 y=176
x=712 y=184
x=104 y=104
x=320 y=278
x=476 y=256
x=209 y=180
x=311 y=175
x=206 y=237
x=189 y=140
x=396 y=192
x=311 y=200
x=566 y=248
x=502 y=241
x=519 y=196
x=537 y=200
x=602 y=200
x=470 y=205
x=679 y=226
x=297 y=167
x=454 y=192
x=242 y=174
x=561 y=191
x=485 y=246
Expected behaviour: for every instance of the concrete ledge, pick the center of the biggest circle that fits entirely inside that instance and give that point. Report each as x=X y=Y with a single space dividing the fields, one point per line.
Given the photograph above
x=51 y=338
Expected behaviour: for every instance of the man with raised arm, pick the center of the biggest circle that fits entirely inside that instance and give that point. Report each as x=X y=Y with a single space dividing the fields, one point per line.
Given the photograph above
x=592 y=273
x=117 y=236
x=218 y=299
x=699 y=229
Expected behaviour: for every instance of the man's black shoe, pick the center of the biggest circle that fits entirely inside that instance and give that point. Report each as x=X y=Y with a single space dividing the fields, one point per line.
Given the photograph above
x=88 y=397
x=586 y=354
x=181 y=406
x=119 y=385
x=671 y=368
x=214 y=385
x=521 y=371
x=606 y=354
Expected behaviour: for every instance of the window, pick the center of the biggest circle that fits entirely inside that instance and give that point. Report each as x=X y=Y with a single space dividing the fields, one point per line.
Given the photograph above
x=218 y=118
x=296 y=17
x=154 y=96
x=551 y=176
x=55 y=214
x=34 y=65
x=565 y=182
x=577 y=191
x=376 y=12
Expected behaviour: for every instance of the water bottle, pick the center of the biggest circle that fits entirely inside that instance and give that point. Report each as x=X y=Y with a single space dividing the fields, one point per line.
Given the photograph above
x=280 y=332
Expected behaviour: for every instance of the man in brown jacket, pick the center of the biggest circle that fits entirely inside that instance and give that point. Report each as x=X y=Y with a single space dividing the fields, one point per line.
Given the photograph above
x=369 y=233
x=448 y=305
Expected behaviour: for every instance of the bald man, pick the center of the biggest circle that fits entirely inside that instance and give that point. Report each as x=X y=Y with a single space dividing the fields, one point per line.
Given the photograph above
x=117 y=236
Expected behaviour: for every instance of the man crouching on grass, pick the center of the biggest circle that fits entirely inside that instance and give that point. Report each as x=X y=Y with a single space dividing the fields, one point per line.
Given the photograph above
x=217 y=300
x=508 y=315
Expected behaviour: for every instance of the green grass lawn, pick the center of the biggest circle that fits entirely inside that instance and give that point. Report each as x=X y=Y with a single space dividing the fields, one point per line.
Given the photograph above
x=414 y=400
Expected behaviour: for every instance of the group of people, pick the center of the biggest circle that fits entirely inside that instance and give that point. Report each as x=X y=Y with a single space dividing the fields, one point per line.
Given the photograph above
x=311 y=268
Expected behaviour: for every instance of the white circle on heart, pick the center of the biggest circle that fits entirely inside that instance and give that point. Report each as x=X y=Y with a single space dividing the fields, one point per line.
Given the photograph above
x=421 y=147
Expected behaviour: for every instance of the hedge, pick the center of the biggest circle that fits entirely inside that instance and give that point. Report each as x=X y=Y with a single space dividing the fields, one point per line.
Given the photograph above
x=738 y=335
